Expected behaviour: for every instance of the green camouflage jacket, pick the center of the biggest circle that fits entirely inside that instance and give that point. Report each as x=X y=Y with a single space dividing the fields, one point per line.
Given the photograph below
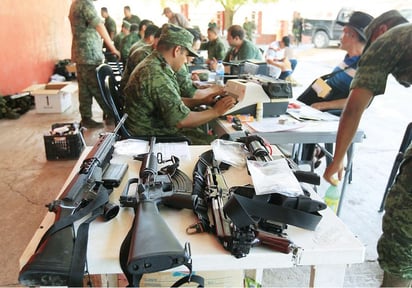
x=86 y=43
x=152 y=98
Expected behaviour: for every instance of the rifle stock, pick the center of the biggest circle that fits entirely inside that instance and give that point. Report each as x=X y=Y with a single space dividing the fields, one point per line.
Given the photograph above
x=150 y=245
x=275 y=242
x=55 y=258
x=51 y=262
x=153 y=247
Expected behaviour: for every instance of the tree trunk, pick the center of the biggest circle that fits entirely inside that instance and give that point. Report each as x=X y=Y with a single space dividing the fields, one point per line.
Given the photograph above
x=228 y=17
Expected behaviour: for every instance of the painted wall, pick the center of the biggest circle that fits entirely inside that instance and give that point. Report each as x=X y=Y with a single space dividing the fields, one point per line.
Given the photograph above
x=34 y=35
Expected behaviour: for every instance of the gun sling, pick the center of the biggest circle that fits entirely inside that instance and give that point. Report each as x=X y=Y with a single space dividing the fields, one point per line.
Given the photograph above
x=100 y=200
x=80 y=250
x=244 y=211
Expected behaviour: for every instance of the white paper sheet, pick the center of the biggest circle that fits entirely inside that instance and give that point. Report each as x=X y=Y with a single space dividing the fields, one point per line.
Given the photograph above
x=132 y=147
x=274 y=125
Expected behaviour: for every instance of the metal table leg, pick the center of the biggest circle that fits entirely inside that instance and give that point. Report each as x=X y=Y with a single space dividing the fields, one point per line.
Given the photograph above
x=347 y=176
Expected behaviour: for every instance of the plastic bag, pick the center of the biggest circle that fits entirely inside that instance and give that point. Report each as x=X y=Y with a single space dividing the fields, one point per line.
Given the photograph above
x=230 y=152
x=274 y=177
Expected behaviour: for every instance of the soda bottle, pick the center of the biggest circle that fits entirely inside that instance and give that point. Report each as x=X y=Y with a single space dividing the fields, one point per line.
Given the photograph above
x=332 y=197
x=220 y=73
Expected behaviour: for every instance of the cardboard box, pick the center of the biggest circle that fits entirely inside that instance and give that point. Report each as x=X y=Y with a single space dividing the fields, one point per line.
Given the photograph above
x=229 y=278
x=55 y=97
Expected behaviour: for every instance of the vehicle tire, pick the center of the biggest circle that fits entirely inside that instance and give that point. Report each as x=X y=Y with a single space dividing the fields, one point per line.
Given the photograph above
x=321 y=39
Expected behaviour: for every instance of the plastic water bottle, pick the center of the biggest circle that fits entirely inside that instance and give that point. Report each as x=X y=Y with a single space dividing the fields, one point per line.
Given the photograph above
x=220 y=73
x=332 y=197
x=259 y=111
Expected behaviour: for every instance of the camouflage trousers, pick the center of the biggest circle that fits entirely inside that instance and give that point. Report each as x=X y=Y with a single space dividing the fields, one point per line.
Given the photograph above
x=395 y=244
x=88 y=88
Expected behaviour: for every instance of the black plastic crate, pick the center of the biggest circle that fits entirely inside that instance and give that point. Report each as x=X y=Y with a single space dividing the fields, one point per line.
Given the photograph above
x=65 y=146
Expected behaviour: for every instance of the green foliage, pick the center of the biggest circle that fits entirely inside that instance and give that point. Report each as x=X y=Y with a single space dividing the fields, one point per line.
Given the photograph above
x=230 y=6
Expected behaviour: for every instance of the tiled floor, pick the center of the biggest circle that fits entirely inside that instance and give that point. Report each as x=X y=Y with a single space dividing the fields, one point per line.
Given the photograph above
x=28 y=181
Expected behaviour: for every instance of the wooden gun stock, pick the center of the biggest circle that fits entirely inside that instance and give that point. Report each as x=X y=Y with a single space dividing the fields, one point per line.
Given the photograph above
x=275 y=242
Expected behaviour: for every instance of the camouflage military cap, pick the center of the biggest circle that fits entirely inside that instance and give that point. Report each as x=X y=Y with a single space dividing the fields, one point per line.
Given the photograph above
x=389 y=16
x=126 y=24
x=179 y=36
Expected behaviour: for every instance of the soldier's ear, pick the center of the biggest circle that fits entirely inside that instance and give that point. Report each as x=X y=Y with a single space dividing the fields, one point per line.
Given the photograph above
x=175 y=50
x=383 y=28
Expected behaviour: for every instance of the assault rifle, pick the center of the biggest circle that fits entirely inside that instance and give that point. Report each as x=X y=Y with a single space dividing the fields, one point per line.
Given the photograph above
x=150 y=246
x=240 y=218
x=210 y=197
x=60 y=257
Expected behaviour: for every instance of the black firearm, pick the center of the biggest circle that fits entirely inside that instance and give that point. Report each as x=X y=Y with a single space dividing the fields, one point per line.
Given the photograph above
x=60 y=257
x=257 y=147
x=150 y=246
x=210 y=194
x=240 y=218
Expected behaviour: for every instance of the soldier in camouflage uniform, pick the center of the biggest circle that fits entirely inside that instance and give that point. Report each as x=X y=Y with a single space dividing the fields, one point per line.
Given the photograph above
x=109 y=22
x=129 y=17
x=128 y=41
x=148 y=38
x=183 y=77
x=125 y=30
x=111 y=28
x=216 y=49
x=249 y=27
x=382 y=57
x=88 y=29
x=152 y=93
x=134 y=59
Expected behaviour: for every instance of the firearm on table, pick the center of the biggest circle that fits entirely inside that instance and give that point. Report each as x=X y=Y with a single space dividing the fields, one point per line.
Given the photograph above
x=240 y=218
x=244 y=206
x=211 y=196
x=60 y=256
x=150 y=245
x=257 y=147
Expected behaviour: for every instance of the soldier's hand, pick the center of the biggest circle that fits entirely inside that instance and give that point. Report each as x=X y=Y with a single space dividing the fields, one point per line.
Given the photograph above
x=212 y=64
x=215 y=94
x=217 y=89
x=333 y=169
x=117 y=53
x=224 y=104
